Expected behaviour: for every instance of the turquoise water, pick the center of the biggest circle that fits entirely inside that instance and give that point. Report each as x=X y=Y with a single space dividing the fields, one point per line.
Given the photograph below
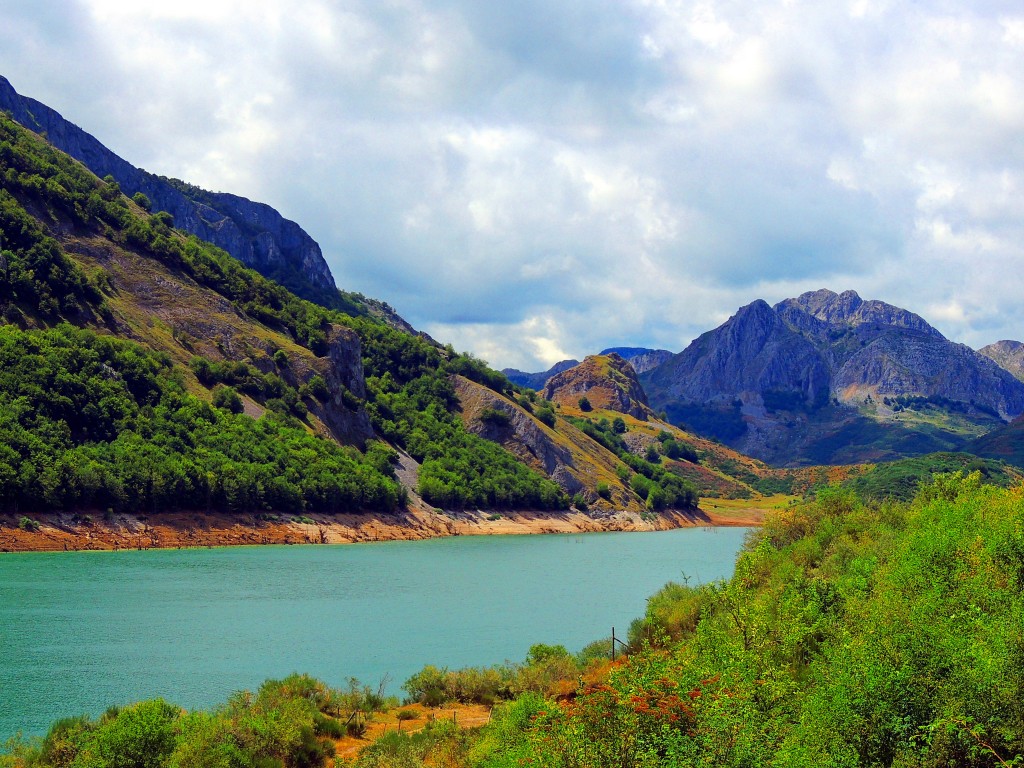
x=80 y=631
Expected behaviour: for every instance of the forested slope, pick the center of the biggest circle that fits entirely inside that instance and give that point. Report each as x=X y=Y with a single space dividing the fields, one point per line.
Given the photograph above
x=76 y=251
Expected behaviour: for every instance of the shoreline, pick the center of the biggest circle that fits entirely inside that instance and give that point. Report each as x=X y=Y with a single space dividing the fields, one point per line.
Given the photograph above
x=65 y=531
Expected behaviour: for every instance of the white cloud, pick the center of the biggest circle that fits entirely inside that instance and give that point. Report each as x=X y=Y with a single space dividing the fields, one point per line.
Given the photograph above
x=540 y=179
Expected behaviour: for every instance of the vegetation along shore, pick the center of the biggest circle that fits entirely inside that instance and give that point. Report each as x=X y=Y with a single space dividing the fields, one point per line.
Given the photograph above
x=851 y=633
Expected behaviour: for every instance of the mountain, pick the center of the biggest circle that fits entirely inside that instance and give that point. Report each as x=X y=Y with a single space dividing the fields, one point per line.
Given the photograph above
x=606 y=381
x=537 y=380
x=147 y=371
x=254 y=233
x=1008 y=355
x=641 y=358
x=831 y=378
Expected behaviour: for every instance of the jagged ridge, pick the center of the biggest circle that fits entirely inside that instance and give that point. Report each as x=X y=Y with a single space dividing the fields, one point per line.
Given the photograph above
x=783 y=383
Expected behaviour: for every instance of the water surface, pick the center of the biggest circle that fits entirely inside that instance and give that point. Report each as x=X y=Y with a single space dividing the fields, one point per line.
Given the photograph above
x=80 y=631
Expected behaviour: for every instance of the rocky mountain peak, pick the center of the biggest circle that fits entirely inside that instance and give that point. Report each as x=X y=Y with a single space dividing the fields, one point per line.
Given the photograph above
x=849 y=309
x=782 y=383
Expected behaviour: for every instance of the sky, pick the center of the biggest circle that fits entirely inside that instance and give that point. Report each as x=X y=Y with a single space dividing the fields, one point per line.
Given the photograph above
x=542 y=179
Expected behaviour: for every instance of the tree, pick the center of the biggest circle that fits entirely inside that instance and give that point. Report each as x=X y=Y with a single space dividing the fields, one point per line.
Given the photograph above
x=228 y=399
x=585 y=405
x=619 y=425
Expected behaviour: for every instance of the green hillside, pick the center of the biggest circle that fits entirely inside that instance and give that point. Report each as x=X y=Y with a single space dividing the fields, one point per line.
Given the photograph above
x=76 y=251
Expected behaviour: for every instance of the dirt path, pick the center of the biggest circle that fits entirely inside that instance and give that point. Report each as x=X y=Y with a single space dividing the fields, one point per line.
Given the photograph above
x=465 y=716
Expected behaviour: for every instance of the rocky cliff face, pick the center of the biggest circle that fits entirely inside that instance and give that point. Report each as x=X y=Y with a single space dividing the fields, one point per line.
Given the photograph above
x=776 y=381
x=607 y=381
x=343 y=413
x=1008 y=355
x=253 y=233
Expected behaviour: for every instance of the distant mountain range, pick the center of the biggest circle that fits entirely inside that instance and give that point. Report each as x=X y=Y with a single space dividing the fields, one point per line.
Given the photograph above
x=828 y=378
x=820 y=379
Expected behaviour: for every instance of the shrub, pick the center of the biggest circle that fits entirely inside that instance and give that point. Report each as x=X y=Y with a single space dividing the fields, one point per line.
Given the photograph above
x=316 y=387
x=228 y=399
x=428 y=686
x=546 y=416
x=585 y=405
x=494 y=417
x=28 y=524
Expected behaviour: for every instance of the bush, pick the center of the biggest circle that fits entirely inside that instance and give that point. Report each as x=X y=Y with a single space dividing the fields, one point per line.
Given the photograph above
x=546 y=416
x=228 y=399
x=428 y=687
x=495 y=417
x=585 y=405
x=28 y=524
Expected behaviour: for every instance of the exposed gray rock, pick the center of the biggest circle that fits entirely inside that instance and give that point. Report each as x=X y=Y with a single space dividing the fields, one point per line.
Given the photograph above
x=346 y=418
x=773 y=380
x=641 y=358
x=1008 y=355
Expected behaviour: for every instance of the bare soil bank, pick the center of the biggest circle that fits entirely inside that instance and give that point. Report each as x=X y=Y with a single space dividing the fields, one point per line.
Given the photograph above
x=97 y=531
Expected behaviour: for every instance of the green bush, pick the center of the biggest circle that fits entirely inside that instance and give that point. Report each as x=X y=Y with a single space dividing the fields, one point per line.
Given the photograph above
x=546 y=415
x=228 y=399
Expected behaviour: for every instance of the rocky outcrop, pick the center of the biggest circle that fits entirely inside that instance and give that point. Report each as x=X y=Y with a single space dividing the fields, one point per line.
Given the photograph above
x=641 y=358
x=607 y=381
x=847 y=309
x=254 y=233
x=773 y=380
x=343 y=411
x=1008 y=355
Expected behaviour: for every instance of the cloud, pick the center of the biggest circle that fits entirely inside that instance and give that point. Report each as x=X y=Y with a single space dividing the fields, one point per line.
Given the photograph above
x=536 y=179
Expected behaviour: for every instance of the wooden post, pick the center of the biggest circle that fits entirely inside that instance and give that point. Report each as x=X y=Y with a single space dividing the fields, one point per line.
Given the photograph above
x=613 y=643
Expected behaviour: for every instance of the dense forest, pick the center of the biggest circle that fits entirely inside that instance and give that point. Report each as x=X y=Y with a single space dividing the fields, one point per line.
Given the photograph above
x=852 y=633
x=74 y=444
x=88 y=420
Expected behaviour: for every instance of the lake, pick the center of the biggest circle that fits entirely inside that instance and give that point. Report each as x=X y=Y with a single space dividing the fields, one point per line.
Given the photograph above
x=80 y=631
